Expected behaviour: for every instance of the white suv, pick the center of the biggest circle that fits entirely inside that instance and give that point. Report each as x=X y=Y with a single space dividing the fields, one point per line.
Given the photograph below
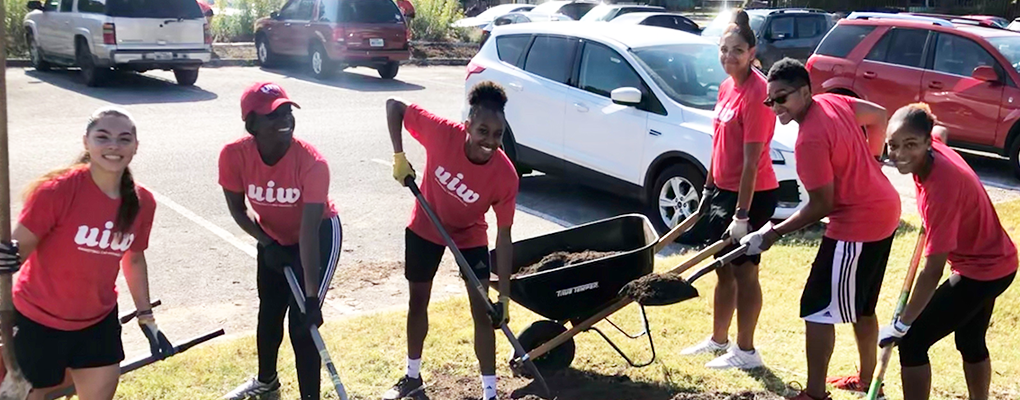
x=623 y=108
x=133 y=35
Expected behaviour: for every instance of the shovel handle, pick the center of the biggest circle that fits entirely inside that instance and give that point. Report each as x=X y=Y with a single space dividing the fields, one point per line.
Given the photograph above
x=674 y=233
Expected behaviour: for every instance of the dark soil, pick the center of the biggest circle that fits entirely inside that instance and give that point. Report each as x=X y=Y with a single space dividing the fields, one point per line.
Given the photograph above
x=561 y=258
x=659 y=290
x=442 y=51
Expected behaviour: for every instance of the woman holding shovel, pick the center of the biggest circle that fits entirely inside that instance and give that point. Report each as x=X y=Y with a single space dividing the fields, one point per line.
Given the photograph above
x=466 y=174
x=739 y=195
x=286 y=181
x=963 y=229
x=80 y=225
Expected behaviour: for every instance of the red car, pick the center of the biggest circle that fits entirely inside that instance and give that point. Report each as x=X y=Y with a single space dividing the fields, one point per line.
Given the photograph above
x=966 y=73
x=335 y=34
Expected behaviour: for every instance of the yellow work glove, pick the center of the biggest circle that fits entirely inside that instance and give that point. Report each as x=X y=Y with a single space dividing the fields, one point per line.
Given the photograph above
x=401 y=168
x=504 y=302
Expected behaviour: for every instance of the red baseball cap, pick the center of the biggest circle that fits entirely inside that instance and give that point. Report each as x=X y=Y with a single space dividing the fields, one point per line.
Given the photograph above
x=263 y=98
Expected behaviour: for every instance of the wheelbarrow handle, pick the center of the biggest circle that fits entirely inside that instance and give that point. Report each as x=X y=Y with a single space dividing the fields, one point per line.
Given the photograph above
x=674 y=233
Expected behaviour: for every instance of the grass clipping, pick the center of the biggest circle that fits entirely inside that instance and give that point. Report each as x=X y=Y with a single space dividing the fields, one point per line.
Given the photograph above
x=659 y=290
x=563 y=258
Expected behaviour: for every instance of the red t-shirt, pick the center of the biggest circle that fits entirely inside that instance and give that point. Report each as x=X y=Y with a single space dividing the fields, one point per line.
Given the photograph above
x=279 y=192
x=832 y=148
x=741 y=117
x=406 y=8
x=458 y=190
x=69 y=281
x=960 y=219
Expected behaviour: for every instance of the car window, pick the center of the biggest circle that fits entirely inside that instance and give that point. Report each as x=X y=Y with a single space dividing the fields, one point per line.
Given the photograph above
x=154 y=9
x=599 y=13
x=843 y=39
x=576 y=10
x=510 y=48
x=901 y=47
x=551 y=57
x=689 y=73
x=1009 y=46
x=369 y=11
x=66 y=5
x=92 y=6
x=959 y=56
x=604 y=70
x=810 y=26
x=51 y=5
x=329 y=11
x=781 y=28
x=297 y=10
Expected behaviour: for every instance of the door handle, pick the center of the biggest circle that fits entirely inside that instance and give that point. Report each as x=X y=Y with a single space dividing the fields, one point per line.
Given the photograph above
x=308 y=24
x=935 y=85
x=870 y=74
x=581 y=107
x=516 y=86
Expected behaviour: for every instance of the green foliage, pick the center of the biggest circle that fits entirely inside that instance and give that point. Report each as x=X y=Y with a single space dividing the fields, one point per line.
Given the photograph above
x=433 y=19
x=14 y=31
x=238 y=23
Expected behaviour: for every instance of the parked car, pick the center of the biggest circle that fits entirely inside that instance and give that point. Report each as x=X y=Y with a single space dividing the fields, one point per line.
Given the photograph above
x=967 y=74
x=1014 y=26
x=575 y=9
x=490 y=14
x=606 y=12
x=788 y=32
x=519 y=18
x=336 y=34
x=989 y=20
x=131 y=35
x=628 y=110
x=663 y=20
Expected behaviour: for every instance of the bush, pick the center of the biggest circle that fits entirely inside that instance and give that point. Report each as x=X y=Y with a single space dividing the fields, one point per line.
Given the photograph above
x=240 y=27
x=15 y=31
x=433 y=19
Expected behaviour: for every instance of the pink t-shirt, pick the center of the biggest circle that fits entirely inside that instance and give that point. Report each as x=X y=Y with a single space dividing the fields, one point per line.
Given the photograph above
x=69 y=281
x=960 y=219
x=832 y=148
x=458 y=190
x=741 y=117
x=277 y=193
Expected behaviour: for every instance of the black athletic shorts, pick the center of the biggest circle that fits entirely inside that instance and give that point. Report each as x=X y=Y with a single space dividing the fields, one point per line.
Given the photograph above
x=962 y=306
x=845 y=280
x=422 y=257
x=45 y=353
x=724 y=206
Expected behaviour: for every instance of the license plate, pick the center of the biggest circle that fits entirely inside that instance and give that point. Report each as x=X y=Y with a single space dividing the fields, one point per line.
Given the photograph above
x=376 y=42
x=163 y=55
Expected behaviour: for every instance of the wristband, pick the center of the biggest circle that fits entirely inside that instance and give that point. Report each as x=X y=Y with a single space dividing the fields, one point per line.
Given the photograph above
x=900 y=326
x=741 y=214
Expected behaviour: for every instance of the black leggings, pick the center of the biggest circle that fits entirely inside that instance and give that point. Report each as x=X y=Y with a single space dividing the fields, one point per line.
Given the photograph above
x=964 y=308
x=274 y=300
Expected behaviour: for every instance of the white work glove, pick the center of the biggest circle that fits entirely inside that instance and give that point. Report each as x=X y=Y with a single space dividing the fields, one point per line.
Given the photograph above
x=738 y=228
x=890 y=335
x=760 y=240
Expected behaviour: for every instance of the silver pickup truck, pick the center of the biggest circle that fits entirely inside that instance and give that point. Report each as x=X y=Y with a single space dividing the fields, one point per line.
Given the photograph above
x=132 y=35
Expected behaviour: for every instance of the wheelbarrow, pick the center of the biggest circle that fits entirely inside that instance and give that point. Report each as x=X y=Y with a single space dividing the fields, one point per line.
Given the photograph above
x=586 y=293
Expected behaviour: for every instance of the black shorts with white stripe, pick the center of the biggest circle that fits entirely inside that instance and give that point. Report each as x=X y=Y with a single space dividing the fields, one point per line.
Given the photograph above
x=845 y=280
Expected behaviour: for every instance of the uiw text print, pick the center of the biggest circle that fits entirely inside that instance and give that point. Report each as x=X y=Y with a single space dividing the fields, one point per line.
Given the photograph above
x=454 y=186
x=273 y=195
x=90 y=240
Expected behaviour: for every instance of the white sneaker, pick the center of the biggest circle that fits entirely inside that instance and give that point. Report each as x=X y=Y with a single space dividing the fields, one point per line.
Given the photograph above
x=705 y=347
x=736 y=358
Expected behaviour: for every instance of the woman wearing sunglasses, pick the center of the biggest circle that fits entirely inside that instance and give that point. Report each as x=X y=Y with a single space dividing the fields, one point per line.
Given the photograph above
x=837 y=165
x=286 y=181
x=739 y=195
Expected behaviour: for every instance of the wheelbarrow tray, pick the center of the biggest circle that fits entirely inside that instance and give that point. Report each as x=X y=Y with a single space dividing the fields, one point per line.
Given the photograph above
x=575 y=292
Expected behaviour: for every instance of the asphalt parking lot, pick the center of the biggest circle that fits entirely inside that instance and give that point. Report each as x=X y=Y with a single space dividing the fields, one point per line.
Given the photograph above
x=201 y=264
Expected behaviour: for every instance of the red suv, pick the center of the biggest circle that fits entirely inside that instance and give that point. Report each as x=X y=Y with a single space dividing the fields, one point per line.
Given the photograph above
x=335 y=34
x=967 y=74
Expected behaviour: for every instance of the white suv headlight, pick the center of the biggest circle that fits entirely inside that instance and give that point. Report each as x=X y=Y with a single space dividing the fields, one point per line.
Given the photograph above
x=777 y=156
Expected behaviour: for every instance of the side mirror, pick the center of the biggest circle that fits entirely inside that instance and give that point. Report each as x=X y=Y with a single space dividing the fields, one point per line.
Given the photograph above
x=35 y=5
x=985 y=73
x=274 y=15
x=626 y=96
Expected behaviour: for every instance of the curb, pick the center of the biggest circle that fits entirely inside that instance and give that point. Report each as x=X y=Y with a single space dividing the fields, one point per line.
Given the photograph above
x=19 y=63
x=426 y=62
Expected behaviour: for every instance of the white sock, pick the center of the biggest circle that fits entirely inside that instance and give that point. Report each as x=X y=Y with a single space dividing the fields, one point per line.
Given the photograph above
x=488 y=386
x=414 y=368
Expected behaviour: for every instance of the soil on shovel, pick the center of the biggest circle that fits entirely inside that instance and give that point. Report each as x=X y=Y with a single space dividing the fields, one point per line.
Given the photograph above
x=572 y=385
x=561 y=258
x=658 y=290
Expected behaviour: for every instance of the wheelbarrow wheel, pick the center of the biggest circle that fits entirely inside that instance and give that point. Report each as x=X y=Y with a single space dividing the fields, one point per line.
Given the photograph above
x=538 y=333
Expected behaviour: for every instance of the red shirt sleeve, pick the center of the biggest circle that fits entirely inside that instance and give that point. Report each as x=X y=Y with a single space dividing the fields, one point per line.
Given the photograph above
x=44 y=208
x=146 y=215
x=230 y=172
x=506 y=205
x=814 y=165
x=759 y=121
x=315 y=183
x=941 y=221
x=427 y=128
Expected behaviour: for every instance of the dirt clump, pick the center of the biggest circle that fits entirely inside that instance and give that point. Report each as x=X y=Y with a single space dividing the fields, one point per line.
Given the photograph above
x=659 y=290
x=727 y=396
x=561 y=258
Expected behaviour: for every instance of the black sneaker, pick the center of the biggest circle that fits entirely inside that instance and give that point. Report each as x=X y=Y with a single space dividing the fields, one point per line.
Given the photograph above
x=255 y=389
x=405 y=387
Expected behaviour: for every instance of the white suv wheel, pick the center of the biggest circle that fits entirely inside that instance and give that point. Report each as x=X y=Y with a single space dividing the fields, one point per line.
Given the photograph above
x=678 y=199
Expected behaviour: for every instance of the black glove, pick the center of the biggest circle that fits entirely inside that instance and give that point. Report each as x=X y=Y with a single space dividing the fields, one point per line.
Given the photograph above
x=159 y=345
x=313 y=314
x=10 y=258
x=706 y=200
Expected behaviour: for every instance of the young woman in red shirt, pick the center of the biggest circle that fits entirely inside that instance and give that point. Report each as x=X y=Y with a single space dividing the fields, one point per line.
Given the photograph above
x=466 y=174
x=962 y=229
x=286 y=181
x=79 y=227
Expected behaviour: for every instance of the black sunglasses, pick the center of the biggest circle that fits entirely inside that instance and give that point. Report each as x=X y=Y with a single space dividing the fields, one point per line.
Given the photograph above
x=770 y=101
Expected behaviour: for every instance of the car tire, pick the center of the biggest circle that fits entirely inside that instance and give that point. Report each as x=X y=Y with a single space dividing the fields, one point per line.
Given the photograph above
x=389 y=71
x=510 y=148
x=674 y=195
x=319 y=63
x=1014 y=156
x=263 y=54
x=186 y=77
x=91 y=75
x=35 y=54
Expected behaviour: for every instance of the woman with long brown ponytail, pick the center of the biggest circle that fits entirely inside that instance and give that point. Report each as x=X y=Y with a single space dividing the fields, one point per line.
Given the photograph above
x=79 y=226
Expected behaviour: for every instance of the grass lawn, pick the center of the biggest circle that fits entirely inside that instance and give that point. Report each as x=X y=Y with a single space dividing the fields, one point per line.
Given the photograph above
x=370 y=350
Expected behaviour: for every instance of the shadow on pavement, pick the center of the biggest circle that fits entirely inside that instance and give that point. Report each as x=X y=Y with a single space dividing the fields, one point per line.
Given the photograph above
x=347 y=79
x=568 y=203
x=126 y=88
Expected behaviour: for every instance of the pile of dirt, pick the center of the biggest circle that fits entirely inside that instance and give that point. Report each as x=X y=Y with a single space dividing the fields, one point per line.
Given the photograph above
x=659 y=290
x=561 y=258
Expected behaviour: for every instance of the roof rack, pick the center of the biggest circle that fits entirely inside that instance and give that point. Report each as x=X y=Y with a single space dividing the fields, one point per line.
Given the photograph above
x=958 y=19
x=798 y=10
x=904 y=17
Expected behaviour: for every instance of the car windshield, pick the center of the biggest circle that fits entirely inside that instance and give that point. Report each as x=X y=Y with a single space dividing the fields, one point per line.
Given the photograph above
x=716 y=27
x=496 y=11
x=1009 y=46
x=689 y=73
x=154 y=9
x=548 y=8
x=599 y=13
x=369 y=11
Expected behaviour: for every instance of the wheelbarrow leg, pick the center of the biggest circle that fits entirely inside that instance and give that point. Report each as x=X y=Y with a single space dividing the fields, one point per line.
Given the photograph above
x=647 y=331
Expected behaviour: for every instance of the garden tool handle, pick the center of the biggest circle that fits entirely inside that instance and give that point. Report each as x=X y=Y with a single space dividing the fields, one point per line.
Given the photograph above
x=131 y=315
x=718 y=263
x=674 y=233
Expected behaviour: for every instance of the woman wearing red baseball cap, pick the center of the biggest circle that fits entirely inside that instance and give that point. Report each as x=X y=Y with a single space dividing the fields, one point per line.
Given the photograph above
x=286 y=181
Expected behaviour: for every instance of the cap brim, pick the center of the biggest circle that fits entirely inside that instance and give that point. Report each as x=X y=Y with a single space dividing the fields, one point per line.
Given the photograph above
x=281 y=101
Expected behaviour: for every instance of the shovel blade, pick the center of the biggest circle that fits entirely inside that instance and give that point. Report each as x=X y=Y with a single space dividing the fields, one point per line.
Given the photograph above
x=659 y=290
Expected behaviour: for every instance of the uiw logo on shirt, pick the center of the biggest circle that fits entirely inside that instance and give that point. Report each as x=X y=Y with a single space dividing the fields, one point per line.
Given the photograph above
x=91 y=239
x=724 y=113
x=272 y=194
x=454 y=186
